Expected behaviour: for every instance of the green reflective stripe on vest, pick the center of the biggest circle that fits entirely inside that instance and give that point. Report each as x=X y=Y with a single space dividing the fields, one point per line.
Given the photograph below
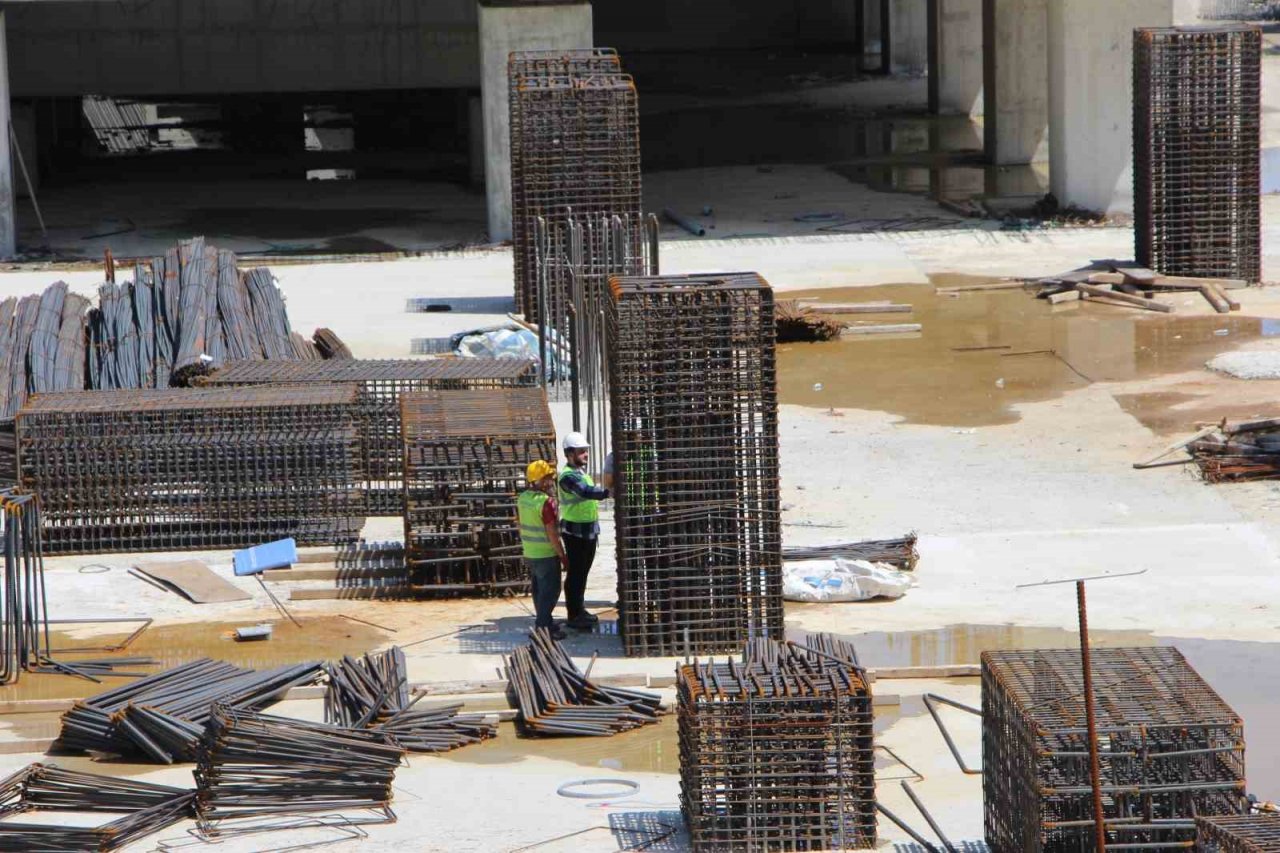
x=575 y=508
x=533 y=534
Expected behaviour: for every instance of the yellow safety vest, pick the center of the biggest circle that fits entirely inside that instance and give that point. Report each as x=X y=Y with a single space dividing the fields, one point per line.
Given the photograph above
x=574 y=508
x=533 y=534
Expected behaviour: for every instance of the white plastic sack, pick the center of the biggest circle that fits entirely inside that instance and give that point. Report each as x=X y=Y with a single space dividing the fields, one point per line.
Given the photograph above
x=842 y=579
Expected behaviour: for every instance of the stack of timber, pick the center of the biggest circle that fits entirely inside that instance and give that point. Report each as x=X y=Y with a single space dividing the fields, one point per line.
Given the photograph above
x=1128 y=286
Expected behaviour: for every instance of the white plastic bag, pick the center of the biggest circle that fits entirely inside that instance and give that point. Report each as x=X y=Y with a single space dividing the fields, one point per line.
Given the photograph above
x=841 y=579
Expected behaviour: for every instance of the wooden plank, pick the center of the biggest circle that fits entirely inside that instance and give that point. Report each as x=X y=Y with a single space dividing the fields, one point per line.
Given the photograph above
x=954 y=670
x=856 y=307
x=978 y=288
x=1093 y=292
x=1211 y=295
x=195 y=580
x=1065 y=296
x=1251 y=426
x=1184 y=280
x=888 y=329
x=1105 y=278
x=333 y=574
x=359 y=593
x=1137 y=275
x=1232 y=303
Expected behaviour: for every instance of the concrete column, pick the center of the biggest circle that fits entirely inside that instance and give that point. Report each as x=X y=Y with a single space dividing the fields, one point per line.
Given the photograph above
x=1091 y=96
x=24 y=128
x=959 y=69
x=1015 y=80
x=505 y=26
x=909 y=36
x=8 y=226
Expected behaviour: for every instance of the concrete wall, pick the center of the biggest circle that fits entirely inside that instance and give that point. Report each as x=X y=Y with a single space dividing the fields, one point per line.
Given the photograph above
x=1091 y=96
x=909 y=36
x=1016 y=79
x=675 y=25
x=960 y=57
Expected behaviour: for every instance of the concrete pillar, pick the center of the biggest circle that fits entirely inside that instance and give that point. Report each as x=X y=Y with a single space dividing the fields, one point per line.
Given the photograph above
x=505 y=26
x=1015 y=80
x=24 y=128
x=1091 y=96
x=909 y=36
x=8 y=227
x=959 y=69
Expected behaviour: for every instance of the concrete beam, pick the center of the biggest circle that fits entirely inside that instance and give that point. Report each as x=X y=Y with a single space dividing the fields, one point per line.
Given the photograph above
x=8 y=225
x=959 y=66
x=1091 y=96
x=506 y=27
x=1015 y=80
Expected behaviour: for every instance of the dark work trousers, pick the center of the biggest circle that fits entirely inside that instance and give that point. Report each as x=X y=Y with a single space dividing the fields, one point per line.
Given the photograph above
x=545 y=573
x=581 y=554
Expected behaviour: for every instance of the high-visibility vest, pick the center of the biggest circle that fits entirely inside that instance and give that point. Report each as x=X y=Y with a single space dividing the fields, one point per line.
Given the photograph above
x=573 y=507
x=533 y=534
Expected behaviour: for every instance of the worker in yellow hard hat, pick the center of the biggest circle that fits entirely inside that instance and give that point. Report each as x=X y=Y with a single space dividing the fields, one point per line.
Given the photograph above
x=538 y=512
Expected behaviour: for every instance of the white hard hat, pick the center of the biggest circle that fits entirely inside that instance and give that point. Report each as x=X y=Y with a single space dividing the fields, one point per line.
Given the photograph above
x=575 y=441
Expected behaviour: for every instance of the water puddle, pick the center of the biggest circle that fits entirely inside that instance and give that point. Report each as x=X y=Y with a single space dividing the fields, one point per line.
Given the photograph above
x=981 y=354
x=649 y=749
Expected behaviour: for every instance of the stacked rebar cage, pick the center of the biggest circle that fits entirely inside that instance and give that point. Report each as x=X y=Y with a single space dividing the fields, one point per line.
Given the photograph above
x=575 y=147
x=171 y=470
x=379 y=384
x=694 y=414
x=1197 y=150
x=1252 y=833
x=1170 y=750
x=777 y=752
x=465 y=456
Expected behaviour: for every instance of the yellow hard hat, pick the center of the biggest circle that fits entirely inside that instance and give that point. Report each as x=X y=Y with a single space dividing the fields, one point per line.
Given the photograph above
x=538 y=469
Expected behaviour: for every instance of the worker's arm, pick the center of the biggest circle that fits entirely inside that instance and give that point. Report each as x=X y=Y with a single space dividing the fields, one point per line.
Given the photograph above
x=575 y=483
x=551 y=524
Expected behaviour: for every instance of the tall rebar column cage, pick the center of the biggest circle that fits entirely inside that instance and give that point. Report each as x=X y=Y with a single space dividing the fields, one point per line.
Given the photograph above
x=181 y=469
x=575 y=146
x=1170 y=750
x=1197 y=150
x=465 y=457
x=694 y=415
x=1251 y=833
x=379 y=385
x=776 y=753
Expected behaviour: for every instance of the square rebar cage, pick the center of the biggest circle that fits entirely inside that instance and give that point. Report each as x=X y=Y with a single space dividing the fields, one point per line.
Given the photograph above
x=379 y=384
x=694 y=414
x=1197 y=150
x=776 y=754
x=1170 y=749
x=575 y=147
x=465 y=456
x=181 y=469
x=1252 y=833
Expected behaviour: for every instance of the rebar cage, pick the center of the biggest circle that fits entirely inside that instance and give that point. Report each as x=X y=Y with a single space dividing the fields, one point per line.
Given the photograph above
x=379 y=384
x=694 y=413
x=1252 y=833
x=1170 y=749
x=1197 y=150
x=776 y=753
x=465 y=457
x=575 y=147
x=181 y=469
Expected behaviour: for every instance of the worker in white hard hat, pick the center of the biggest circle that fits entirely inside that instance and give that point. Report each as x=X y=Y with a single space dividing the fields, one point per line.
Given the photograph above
x=579 y=527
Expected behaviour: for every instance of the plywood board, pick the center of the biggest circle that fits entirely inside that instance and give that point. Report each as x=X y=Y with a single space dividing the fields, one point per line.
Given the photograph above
x=195 y=580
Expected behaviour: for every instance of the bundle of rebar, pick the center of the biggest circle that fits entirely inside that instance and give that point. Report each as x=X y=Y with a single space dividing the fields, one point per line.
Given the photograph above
x=372 y=692
x=162 y=717
x=1238 y=452
x=42 y=345
x=1251 y=833
x=379 y=385
x=1170 y=750
x=900 y=553
x=465 y=455
x=777 y=750
x=797 y=323
x=554 y=698
x=146 y=807
x=24 y=608
x=574 y=258
x=258 y=765
x=693 y=402
x=194 y=468
x=575 y=147
x=1197 y=151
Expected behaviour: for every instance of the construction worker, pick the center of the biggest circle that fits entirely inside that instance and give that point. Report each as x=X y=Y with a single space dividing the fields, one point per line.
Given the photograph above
x=579 y=527
x=544 y=553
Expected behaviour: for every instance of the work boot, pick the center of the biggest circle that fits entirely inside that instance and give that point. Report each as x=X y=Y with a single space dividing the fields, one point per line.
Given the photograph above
x=583 y=622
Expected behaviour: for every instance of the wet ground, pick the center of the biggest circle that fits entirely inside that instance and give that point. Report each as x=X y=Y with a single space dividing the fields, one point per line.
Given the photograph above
x=981 y=354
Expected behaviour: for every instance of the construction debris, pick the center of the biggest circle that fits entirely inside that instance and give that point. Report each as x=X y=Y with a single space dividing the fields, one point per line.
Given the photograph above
x=900 y=553
x=803 y=323
x=1237 y=452
x=554 y=697
x=182 y=469
x=798 y=716
x=1248 y=833
x=146 y=808
x=693 y=391
x=1171 y=750
x=1129 y=286
x=373 y=693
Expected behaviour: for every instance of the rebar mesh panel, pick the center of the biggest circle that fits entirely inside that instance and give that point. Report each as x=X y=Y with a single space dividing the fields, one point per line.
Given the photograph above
x=776 y=755
x=171 y=470
x=575 y=146
x=465 y=457
x=1252 y=833
x=1170 y=749
x=1197 y=150
x=379 y=384
x=693 y=407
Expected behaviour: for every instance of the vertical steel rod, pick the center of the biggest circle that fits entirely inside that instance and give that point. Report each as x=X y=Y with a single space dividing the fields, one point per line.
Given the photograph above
x=1091 y=723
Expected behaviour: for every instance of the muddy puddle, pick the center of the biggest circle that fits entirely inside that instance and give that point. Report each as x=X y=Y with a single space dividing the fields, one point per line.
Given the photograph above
x=321 y=637
x=981 y=354
x=649 y=749
x=1241 y=672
